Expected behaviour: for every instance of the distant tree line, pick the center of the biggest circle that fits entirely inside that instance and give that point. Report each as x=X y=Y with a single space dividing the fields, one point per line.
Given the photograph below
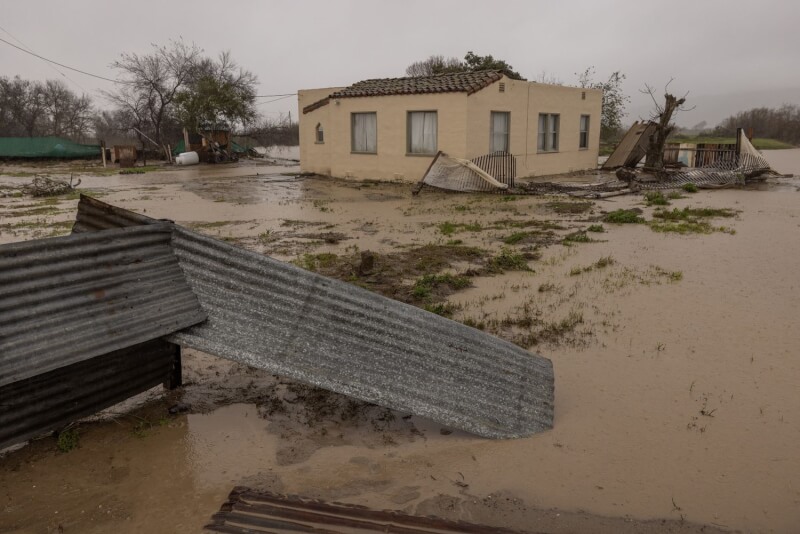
x=438 y=64
x=782 y=123
x=34 y=109
x=274 y=132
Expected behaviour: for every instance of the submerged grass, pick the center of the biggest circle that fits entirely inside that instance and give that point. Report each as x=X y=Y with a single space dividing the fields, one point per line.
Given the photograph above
x=623 y=217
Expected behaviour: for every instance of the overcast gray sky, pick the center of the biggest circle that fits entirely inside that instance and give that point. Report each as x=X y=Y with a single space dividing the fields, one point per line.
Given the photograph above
x=729 y=54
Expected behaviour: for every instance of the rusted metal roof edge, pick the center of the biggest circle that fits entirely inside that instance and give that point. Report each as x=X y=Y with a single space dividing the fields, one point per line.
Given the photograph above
x=252 y=511
x=49 y=401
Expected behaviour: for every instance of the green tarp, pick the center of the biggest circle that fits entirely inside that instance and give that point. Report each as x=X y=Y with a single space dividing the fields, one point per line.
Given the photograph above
x=237 y=148
x=45 y=147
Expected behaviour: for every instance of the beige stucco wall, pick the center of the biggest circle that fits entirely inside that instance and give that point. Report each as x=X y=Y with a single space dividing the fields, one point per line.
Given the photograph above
x=525 y=100
x=391 y=162
x=463 y=130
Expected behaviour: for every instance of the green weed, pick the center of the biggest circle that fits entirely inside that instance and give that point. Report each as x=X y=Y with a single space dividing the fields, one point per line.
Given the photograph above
x=68 y=440
x=623 y=217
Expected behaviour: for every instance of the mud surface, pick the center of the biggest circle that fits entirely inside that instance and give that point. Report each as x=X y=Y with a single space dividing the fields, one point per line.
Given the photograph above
x=674 y=353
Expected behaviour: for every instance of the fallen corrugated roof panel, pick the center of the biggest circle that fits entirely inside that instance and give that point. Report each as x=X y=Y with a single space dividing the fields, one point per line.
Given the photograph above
x=68 y=299
x=340 y=337
x=453 y=82
x=632 y=147
x=48 y=401
x=251 y=511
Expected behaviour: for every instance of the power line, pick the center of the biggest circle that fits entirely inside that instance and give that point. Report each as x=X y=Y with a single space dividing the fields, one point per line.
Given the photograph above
x=62 y=65
x=270 y=96
x=275 y=100
x=282 y=96
x=46 y=63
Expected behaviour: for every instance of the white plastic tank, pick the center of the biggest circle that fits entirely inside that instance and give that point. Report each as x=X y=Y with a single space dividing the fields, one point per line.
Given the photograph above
x=187 y=158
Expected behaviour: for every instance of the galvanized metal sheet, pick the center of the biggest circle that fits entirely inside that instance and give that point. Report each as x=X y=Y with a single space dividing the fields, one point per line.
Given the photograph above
x=250 y=511
x=51 y=400
x=278 y=317
x=68 y=299
x=633 y=146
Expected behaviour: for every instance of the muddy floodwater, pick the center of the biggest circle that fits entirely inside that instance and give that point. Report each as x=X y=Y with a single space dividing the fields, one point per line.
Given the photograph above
x=674 y=343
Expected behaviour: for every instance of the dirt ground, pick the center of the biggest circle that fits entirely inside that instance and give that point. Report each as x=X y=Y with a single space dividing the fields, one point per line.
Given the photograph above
x=674 y=343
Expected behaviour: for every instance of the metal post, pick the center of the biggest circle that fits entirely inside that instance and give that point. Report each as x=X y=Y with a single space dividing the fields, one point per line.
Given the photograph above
x=175 y=379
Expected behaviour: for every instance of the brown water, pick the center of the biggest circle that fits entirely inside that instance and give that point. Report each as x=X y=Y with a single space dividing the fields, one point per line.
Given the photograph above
x=675 y=398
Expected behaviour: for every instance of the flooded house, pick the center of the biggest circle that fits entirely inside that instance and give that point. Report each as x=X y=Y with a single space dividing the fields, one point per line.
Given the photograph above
x=392 y=128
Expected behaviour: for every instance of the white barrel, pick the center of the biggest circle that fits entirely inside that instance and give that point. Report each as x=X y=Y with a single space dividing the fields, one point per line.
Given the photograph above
x=187 y=158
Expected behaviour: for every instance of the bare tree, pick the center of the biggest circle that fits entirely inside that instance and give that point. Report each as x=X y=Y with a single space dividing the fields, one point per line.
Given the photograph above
x=661 y=115
x=435 y=64
x=548 y=78
x=151 y=82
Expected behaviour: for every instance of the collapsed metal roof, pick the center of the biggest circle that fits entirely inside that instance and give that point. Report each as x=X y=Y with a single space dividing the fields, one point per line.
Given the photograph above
x=249 y=511
x=67 y=299
x=288 y=321
x=53 y=399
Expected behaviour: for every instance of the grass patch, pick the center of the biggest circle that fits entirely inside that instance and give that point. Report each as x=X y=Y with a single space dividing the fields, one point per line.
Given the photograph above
x=577 y=237
x=515 y=238
x=315 y=262
x=597 y=228
x=425 y=286
x=674 y=195
x=682 y=227
x=623 y=217
x=690 y=188
x=68 y=440
x=508 y=260
x=689 y=214
x=656 y=198
x=449 y=228
x=569 y=208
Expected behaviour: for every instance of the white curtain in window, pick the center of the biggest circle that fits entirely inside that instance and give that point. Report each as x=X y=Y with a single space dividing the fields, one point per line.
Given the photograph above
x=422 y=132
x=552 y=130
x=365 y=132
x=542 y=141
x=499 y=131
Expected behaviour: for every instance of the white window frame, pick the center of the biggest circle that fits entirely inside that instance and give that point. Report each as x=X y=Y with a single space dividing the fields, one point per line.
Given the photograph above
x=547 y=138
x=583 y=135
x=319 y=134
x=353 y=133
x=492 y=133
x=409 y=118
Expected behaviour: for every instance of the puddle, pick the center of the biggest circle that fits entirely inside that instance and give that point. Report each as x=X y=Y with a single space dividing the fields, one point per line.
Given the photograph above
x=675 y=393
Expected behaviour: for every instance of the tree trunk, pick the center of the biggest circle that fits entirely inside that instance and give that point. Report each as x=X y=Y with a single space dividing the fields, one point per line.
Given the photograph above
x=658 y=139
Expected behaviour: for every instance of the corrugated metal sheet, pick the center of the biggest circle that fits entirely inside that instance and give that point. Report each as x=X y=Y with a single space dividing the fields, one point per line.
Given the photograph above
x=337 y=336
x=68 y=299
x=633 y=146
x=49 y=401
x=250 y=511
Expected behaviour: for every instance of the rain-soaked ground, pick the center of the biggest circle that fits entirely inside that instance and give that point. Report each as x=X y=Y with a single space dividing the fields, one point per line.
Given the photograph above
x=675 y=358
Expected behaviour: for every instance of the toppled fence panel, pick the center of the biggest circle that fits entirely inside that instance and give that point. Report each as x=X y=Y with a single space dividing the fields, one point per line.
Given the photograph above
x=49 y=401
x=250 y=512
x=491 y=172
x=633 y=146
x=67 y=299
x=278 y=317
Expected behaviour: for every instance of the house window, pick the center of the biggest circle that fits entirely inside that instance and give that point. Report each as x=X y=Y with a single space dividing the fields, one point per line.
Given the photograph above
x=364 y=128
x=500 y=122
x=320 y=134
x=422 y=132
x=584 y=139
x=548 y=132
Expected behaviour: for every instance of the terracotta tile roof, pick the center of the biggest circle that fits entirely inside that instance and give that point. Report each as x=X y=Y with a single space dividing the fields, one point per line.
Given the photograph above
x=456 y=82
